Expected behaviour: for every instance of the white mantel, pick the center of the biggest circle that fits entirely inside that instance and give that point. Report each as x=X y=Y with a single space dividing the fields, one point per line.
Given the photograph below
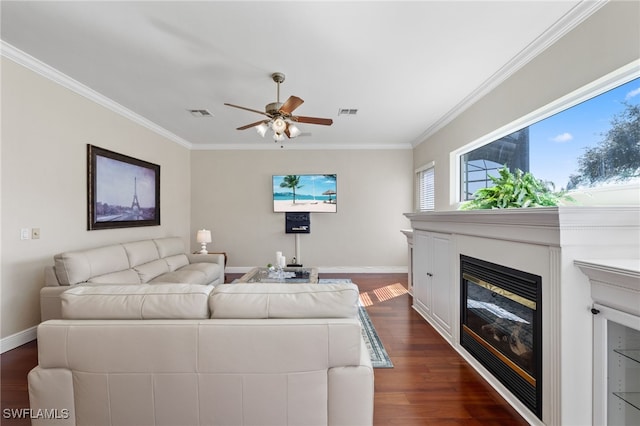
x=533 y=225
x=545 y=242
x=614 y=282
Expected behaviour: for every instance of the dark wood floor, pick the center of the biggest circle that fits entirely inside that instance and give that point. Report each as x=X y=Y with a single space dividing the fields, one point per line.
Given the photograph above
x=430 y=383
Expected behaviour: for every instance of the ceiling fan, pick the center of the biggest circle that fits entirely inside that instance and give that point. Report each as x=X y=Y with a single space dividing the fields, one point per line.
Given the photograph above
x=280 y=115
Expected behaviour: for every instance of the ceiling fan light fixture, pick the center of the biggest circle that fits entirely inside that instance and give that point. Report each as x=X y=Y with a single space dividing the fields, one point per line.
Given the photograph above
x=279 y=125
x=293 y=130
x=280 y=115
x=262 y=129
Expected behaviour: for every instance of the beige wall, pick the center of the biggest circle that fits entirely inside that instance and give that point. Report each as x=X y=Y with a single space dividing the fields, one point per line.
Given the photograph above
x=45 y=130
x=231 y=195
x=605 y=42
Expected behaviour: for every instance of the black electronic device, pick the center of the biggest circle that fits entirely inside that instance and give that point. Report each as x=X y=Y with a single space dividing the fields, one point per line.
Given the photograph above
x=297 y=222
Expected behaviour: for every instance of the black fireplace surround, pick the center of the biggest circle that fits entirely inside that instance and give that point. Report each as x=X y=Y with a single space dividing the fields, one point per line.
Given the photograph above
x=501 y=325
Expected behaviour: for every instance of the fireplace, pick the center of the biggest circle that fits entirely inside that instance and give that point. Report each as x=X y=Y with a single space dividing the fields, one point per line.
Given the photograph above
x=501 y=326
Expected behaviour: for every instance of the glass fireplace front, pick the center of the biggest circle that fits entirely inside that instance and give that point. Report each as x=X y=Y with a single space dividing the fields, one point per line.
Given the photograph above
x=501 y=325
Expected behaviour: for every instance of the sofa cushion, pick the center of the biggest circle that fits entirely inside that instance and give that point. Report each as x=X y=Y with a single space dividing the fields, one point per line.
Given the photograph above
x=78 y=266
x=187 y=301
x=128 y=276
x=181 y=276
x=140 y=252
x=210 y=270
x=169 y=246
x=284 y=301
x=150 y=270
x=176 y=261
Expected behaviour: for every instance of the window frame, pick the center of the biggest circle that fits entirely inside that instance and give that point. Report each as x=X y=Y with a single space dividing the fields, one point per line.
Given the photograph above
x=610 y=81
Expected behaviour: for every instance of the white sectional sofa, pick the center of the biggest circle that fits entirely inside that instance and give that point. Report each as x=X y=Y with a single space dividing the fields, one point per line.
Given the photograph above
x=184 y=354
x=154 y=261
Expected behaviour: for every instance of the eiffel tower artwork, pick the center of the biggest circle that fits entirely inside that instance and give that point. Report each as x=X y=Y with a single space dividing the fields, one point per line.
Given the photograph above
x=124 y=192
x=135 y=204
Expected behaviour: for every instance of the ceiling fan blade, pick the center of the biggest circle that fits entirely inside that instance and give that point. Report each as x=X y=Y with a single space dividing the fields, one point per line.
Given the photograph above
x=248 y=109
x=312 y=120
x=248 y=126
x=292 y=103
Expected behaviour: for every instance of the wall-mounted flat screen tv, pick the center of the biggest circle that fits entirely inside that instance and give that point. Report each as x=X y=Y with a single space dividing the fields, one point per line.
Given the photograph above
x=314 y=193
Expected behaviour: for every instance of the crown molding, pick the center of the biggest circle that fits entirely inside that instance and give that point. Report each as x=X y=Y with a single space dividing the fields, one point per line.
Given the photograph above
x=16 y=55
x=560 y=28
x=294 y=146
x=21 y=58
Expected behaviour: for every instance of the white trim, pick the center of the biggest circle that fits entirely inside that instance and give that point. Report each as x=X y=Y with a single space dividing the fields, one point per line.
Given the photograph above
x=294 y=145
x=336 y=269
x=561 y=27
x=610 y=81
x=16 y=55
x=39 y=67
x=18 y=339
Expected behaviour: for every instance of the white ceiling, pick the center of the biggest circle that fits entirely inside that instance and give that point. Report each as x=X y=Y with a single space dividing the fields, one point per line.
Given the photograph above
x=408 y=67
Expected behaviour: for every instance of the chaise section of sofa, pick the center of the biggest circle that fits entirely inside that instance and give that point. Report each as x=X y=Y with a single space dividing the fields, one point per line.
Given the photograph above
x=154 y=261
x=123 y=355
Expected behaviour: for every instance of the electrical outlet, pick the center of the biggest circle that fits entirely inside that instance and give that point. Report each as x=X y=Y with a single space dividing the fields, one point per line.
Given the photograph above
x=25 y=233
x=35 y=233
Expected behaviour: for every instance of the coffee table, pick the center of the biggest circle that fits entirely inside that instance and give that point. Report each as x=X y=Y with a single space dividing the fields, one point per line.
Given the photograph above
x=290 y=275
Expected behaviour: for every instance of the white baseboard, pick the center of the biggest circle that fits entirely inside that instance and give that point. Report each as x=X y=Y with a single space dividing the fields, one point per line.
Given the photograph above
x=336 y=269
x=18 y=339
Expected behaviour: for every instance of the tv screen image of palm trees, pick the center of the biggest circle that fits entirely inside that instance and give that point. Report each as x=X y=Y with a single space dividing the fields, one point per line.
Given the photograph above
x=305 y=193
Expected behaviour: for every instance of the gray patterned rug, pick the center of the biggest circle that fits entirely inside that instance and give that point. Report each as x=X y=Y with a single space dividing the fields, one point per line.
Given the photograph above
x=379 y=356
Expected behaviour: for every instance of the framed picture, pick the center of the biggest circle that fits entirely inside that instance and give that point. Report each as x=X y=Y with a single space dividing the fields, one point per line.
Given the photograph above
x=122 y=191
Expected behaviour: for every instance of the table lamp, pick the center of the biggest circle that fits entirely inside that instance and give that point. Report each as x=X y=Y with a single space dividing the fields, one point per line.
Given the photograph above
x=203 y=237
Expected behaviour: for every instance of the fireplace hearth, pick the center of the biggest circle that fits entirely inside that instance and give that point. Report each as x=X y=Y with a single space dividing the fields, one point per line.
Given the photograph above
x=501 y=325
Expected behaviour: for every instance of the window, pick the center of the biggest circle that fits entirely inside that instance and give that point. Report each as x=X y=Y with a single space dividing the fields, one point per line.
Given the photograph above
x=588 y=143
x=425 y=187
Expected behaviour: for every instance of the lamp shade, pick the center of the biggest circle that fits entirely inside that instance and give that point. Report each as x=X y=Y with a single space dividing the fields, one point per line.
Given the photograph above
x=203 y=236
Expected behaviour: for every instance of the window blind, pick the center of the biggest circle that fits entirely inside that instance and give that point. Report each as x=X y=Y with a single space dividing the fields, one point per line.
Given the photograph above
x=426 y=197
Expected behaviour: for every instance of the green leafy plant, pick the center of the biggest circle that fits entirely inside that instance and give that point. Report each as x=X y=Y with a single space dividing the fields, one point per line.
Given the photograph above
x=515 y=190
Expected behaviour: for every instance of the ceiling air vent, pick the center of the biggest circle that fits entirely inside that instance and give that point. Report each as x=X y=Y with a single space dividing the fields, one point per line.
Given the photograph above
x=200 y=113
x=347 y=111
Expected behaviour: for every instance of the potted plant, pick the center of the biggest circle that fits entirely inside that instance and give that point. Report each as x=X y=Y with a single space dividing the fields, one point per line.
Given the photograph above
x=515 y=190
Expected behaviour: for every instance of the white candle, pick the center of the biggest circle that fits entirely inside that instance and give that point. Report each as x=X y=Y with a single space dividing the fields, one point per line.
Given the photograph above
x=283 y=261
x=278 y=256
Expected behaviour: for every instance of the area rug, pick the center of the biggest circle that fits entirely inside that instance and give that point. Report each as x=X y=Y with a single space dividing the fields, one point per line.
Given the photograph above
x=377 y=352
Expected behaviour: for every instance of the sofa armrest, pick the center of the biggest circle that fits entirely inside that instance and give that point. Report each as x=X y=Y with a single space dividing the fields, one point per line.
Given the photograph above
x=51 y=392
x=351 y=390
x=219 y=258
